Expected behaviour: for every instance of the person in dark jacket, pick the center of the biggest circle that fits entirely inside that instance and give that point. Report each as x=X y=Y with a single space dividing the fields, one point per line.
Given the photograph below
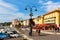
x=31 y=24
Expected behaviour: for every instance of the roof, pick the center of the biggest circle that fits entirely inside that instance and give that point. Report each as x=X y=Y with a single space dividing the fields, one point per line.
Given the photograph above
x=56 y=10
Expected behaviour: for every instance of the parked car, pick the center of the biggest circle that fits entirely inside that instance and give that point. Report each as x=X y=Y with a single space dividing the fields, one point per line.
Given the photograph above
x=3 y=36
x=8 y=32
x=13 y=34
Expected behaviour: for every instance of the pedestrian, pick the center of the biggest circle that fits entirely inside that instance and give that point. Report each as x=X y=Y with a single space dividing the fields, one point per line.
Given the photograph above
x=38 y=29
x=58 y=29
x=31 y=23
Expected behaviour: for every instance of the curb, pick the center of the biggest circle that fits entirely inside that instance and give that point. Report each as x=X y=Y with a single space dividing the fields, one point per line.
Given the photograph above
x=50 y=32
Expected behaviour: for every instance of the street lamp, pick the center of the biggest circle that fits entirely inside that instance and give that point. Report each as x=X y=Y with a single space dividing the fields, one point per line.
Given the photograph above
x=31 y=14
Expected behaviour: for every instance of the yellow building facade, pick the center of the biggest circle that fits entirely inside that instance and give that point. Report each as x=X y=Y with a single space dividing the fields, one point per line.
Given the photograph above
x=41 y=19
x=52 y=17
x=48 y=18
x=26 y=22
x=38 y=20
x=35 y=20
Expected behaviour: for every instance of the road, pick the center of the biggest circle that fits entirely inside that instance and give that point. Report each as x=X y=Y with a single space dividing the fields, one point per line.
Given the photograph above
x=42 y=36
x=35 y=36
x=6 y=28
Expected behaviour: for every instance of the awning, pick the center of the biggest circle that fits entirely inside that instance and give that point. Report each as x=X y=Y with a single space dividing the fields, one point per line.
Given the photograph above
x=41 y=25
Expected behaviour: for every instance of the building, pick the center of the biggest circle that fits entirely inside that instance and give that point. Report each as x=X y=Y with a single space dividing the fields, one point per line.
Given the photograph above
x=26 y=22
x=52 y=17
x=38 y=20
x=15 y=22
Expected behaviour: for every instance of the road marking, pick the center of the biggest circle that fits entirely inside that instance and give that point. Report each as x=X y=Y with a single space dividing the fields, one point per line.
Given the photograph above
x=25 y=36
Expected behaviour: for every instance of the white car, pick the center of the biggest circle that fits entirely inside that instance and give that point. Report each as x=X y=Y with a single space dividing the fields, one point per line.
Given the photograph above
x=13 y=35
x=9 y=32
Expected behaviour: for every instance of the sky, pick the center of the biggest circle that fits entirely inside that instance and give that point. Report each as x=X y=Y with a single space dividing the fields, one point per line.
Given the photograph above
x=15 y=9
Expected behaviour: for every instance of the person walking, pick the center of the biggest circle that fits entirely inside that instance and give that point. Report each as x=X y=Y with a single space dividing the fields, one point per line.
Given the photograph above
x=38 y=29
x=31 y=24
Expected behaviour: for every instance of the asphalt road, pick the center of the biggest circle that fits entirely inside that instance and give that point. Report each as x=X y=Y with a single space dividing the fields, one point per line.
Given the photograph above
x=35 y=36
x=10 y=29
x=42 y=36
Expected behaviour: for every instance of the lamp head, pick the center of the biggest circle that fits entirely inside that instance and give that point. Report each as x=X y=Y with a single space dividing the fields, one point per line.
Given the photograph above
x=25 y=8
x=35 y=9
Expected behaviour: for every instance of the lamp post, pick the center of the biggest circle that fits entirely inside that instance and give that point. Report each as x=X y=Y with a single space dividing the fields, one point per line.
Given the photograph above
x=31 y=14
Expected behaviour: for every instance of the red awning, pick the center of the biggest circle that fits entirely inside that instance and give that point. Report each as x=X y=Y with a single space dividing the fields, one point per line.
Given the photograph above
x=41 y=25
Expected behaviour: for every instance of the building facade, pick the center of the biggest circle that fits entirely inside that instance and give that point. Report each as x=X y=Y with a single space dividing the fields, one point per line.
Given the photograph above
x=38 y=20
x=26 y=22
x=15 y=22
x=52 y=17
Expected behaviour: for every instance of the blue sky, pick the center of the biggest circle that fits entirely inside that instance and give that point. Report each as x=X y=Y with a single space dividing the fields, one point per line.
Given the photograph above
x=12 y=9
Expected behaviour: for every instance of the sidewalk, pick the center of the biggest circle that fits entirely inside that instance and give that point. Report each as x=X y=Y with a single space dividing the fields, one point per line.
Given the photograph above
x=50 y=32
x=45 y=35
x=45 y=31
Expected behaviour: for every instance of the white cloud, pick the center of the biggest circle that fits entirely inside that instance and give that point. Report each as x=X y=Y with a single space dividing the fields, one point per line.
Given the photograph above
x=50 y=5
x=7 y=5
x=40 y=1
x=8 y=12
